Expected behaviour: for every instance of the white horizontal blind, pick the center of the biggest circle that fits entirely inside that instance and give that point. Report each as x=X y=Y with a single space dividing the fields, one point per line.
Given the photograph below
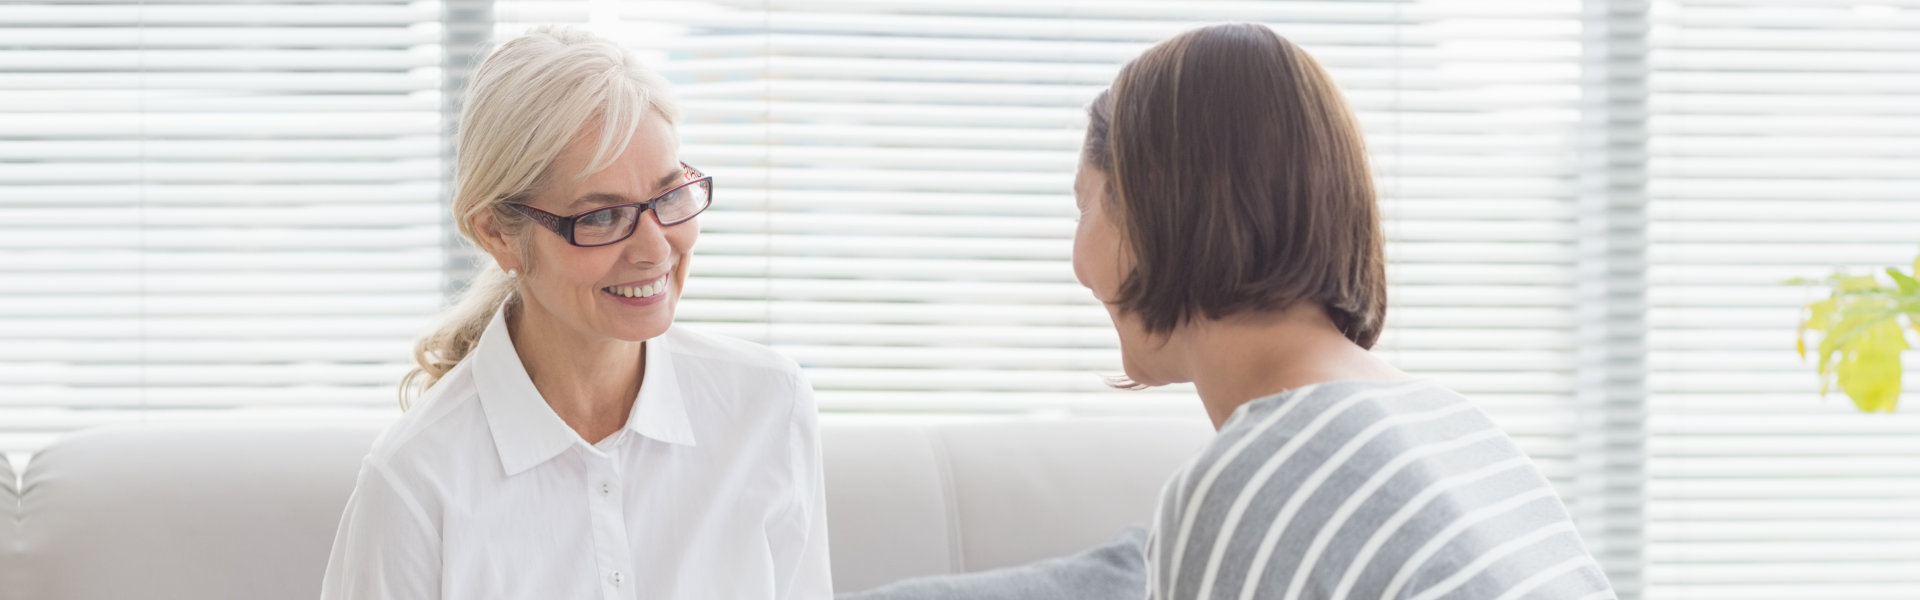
x=1785 y=143
x=895 y=212
x=213 y=209
x=894 y=198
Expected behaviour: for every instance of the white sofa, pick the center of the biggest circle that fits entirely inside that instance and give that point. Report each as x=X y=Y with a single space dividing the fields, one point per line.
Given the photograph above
x=166 y=512
x=10 y=588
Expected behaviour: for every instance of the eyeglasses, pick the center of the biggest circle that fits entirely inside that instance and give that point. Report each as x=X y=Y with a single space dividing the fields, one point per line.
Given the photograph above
x=611 y=224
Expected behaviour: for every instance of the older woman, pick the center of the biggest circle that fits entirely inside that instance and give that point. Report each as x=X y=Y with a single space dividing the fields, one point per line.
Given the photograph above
x=570 y=442
x=1228 y=223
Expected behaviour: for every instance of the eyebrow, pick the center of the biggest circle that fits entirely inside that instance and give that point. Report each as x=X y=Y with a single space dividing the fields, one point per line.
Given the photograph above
x=611 y=198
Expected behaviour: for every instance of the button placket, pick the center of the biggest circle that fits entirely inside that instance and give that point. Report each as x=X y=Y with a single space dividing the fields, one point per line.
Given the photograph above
x=609 y=525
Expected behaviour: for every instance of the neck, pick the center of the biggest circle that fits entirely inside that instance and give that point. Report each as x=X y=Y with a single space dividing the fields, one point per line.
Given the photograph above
x=1239 y=359
x=591 y=382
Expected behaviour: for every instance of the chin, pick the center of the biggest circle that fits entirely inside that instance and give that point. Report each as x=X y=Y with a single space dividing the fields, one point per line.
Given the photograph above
x=1136 y=373
x=640 y=328
x=643 y=333
x=1134 y=377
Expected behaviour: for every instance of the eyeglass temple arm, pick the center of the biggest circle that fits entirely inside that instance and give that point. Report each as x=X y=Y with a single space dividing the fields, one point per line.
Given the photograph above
x=546 y=219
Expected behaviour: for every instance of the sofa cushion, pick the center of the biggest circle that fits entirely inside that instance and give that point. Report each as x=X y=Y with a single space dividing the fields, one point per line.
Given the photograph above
x=186 y=512
x=159 y=512
x=889 y=505
x=1032 y=489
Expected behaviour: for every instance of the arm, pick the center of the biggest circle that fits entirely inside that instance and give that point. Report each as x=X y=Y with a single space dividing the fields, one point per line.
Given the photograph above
x=386 y=546
x=811 y=577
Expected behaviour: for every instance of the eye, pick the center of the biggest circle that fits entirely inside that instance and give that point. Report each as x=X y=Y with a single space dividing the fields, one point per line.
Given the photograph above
x=677 y=197
x=598 y=218
x=683 y=203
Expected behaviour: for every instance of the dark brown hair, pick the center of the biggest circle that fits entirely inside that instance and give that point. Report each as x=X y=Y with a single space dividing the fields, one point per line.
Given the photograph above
x=1239 y=181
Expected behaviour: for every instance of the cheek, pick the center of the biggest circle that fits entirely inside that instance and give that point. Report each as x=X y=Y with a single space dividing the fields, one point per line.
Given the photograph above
x=1080 y=257
x=1091 y=258
x=682 y=238
x=1096 y=260
x=564 y=268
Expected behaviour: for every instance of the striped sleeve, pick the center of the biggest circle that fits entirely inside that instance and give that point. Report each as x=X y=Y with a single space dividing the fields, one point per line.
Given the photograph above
x=1365 y=490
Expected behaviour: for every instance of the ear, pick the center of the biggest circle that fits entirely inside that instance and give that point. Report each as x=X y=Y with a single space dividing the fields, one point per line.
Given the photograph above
x=504 y=248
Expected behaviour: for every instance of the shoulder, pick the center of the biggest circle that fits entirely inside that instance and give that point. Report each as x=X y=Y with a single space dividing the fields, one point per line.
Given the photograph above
x=748 y=396
x=1386 y=467
x=1317 y=408
x=445 y=424
x=398 y=493
x=1308 y=417
x=1307 y=434
x=729 y=357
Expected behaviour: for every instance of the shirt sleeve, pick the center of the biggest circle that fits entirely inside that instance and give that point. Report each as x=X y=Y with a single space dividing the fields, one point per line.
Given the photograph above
x=812 y=574
x=386 y=547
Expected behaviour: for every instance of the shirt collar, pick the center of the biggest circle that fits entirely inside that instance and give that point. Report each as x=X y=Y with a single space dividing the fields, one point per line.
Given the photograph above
x=660 y=411
x=526 y=431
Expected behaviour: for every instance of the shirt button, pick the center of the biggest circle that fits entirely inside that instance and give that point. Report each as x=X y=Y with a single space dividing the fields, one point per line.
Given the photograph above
x=617 y=578
x=606 y=489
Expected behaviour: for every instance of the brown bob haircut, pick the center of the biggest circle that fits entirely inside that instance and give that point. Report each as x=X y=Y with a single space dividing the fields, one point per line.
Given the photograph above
x=1239 y=181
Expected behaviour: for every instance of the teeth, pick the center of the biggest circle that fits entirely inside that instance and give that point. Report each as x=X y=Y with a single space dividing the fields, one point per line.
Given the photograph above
x=643 y=291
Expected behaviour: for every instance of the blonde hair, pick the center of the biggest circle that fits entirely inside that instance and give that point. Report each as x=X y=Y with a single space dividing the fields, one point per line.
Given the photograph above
x=529 y=99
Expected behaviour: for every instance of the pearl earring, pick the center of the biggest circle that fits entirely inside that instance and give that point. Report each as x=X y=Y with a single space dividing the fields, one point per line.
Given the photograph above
x=513 y=273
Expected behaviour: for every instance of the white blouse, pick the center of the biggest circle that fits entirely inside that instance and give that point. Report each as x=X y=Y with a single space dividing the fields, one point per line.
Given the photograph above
x=712 y=490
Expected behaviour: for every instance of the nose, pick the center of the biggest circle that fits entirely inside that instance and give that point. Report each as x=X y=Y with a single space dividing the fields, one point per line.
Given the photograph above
x=648 y=243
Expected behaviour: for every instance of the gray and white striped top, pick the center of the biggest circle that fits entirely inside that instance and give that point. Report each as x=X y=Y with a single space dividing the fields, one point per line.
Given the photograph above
x=1399 y=490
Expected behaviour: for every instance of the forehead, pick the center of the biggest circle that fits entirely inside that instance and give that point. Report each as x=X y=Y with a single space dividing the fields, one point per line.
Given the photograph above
x=652 y=152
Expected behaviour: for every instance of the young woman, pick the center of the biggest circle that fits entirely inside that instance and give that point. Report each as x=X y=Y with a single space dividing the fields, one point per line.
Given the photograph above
x=1228 y=222
x=570 y=442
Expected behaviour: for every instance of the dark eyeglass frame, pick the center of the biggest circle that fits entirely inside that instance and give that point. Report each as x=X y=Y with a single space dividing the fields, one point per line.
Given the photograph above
x=563 y=226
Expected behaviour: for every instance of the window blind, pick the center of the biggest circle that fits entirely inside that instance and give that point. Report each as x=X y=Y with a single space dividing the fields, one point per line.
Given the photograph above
x=894 y=202
x=213 y=210
x=1592 y=206
x=1785 y=143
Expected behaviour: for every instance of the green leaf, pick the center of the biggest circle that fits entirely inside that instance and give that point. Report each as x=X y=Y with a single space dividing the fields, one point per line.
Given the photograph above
x=1843 y=333
x=1853 y=328
x=1856 y=283
x=1861 y=329
x=1869 y=368
x=1906 y=283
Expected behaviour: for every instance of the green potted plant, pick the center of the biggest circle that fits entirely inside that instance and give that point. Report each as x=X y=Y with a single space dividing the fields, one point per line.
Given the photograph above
x=1860 y=331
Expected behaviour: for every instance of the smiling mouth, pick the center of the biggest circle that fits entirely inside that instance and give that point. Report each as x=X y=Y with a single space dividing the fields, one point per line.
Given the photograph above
x=638 y=291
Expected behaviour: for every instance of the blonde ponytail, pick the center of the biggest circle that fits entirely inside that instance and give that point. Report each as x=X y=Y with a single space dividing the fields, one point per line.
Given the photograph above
x=530 y=98
x=439 y=351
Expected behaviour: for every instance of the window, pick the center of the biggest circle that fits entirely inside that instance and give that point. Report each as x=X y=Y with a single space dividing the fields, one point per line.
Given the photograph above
x=214 y=212
x=237 y=213
x=1784 y=142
